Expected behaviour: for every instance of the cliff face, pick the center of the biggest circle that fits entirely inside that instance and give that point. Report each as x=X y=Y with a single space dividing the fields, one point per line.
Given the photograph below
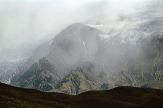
x=40 y=75
x=77 y=82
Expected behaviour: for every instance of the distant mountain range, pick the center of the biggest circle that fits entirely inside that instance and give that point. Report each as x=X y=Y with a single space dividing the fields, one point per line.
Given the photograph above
x=105 y=62
x=121 y=97
x=98 y=54
x=65 y=62
x=80 y=59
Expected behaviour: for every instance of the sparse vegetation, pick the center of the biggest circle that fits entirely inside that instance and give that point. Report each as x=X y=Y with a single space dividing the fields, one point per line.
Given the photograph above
x=121 y=97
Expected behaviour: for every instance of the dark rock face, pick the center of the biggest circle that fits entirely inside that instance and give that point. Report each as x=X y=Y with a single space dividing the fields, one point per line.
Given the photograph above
x=39 y=76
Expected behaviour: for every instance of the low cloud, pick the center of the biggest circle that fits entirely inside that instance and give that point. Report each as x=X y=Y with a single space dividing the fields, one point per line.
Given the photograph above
x=24 y=24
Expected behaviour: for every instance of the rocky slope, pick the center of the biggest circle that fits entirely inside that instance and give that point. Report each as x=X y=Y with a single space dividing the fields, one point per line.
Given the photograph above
x=79 y=59
x=39 y=76
x=129 y=52
x=77 y=82
x=75 y=47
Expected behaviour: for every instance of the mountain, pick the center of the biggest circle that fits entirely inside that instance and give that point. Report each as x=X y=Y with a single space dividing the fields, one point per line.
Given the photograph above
x=146 y=70
x=81 y=59
x=77 y=82
x=124 y=97
x=39 y=76
x=75 y=47
x=8 y=69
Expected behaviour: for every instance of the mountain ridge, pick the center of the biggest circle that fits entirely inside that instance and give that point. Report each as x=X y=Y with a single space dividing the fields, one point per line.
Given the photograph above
x=105 y=64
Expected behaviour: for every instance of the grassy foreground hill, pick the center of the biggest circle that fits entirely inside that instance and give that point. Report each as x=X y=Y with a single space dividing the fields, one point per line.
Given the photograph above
x=121 y=97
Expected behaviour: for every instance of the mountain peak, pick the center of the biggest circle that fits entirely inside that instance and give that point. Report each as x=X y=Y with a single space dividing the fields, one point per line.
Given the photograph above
x=79 y=28
x=77 y=25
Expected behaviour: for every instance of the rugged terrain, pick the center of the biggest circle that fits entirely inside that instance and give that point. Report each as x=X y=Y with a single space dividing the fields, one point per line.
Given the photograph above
x=99 y=54
x=79 y=59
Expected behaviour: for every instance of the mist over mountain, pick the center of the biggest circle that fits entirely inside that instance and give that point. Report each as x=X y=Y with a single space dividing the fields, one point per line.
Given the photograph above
x=93 y=45
x=34 y=22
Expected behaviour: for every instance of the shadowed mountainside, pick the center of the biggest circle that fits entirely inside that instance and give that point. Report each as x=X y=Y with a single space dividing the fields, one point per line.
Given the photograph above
x=124 y=97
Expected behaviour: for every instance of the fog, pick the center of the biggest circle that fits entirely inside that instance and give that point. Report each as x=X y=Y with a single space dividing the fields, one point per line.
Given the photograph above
x=25 y=24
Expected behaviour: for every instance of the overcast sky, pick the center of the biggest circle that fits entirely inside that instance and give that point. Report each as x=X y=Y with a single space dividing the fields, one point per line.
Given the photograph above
x=26 y=23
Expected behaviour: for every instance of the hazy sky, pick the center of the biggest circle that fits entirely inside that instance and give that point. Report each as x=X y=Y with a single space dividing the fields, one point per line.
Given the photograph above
x=26 y=23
